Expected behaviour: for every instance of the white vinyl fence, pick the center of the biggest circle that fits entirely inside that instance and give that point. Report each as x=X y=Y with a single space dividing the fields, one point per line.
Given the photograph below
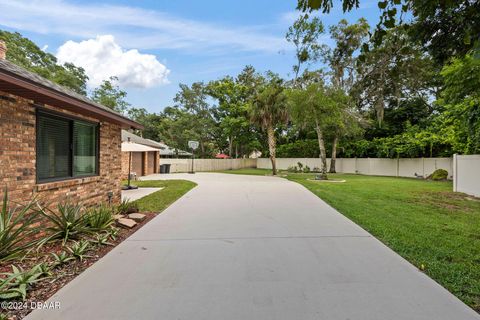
x=404 y=167
x=467 y=174
x=185 y=165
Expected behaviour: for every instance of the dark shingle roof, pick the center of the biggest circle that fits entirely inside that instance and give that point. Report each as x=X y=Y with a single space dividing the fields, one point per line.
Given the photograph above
x=19 y=72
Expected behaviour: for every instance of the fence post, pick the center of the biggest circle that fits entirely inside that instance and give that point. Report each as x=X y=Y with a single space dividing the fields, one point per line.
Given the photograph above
x=398 y=166
x=423 y=167
x=455 y=174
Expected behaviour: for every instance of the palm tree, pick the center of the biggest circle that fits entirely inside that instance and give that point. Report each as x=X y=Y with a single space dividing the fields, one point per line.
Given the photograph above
x=269 y=110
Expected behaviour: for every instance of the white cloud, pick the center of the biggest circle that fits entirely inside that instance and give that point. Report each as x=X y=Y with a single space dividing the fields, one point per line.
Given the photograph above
x=102 y=58
x=134 y=27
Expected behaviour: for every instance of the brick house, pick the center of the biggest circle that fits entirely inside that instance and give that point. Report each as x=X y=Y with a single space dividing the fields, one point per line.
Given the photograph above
x=142 y=163
x=55 y=143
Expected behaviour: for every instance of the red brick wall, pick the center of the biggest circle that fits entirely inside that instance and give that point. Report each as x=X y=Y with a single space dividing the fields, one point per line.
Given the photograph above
x=142 y=163
x=17 y=159
x=125 y=159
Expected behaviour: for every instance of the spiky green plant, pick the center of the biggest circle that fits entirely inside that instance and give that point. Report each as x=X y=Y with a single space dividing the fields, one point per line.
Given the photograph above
x=79 y=249
x=99 y=218
x=17 y=226
x=45 y=269
x=113 y=233
x=17 y=282
x=102 y=239
x=67 y=224
x=126 y=206
x=61 y=258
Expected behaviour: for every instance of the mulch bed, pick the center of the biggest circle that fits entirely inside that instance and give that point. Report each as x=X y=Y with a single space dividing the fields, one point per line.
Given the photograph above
x=44 y=289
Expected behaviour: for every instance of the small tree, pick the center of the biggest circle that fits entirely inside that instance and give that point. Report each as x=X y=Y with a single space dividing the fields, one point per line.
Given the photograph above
x=304 y=34
x=110 y=95
x=315 y=107
x=269 y=110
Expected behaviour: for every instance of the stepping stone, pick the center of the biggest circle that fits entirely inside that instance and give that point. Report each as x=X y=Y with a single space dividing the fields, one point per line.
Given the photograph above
x=136 y=216
x=118 y=216
x=126 y=223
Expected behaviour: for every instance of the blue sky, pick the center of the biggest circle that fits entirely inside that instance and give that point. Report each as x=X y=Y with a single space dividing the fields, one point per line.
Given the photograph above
x=152 y=46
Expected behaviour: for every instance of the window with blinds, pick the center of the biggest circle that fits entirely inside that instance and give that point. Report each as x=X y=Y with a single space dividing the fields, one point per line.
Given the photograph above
x=66 y=148
x=84 y=149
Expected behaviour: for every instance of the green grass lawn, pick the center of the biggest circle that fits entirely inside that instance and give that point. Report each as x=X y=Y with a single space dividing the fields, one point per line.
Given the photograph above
x=423 y=221
x=160 y=200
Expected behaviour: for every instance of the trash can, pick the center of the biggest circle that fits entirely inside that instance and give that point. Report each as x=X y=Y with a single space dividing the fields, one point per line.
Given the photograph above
x=163 y=168
x=167 y=168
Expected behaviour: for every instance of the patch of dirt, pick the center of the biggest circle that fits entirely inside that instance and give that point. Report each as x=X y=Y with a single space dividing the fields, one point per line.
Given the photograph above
x=44 y=289
x=329 y=180
x=444 y=199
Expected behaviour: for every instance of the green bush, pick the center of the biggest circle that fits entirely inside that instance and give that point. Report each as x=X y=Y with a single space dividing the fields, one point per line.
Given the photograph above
x=126 y=207
x=439 y=174
x=79 y=249
x=68 y=223
x=292 y=169
x=99 y=218
x=16 y=284
x=17 y=228
x=299 y=149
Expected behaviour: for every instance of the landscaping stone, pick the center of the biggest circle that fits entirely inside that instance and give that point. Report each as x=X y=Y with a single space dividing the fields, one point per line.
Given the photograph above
x=136 y=216
x=118 y=216
x=126 y=223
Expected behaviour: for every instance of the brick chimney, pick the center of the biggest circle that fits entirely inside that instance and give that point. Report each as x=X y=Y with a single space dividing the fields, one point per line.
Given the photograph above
x=3 y=50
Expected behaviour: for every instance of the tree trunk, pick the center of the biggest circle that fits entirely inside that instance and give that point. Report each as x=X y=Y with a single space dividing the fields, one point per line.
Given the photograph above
x=323 y=154
x=334 y=155
x=202 y=149
x=271 y=148
x=230 y=147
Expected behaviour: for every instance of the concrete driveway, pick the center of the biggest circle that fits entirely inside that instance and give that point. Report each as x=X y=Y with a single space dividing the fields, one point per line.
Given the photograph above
x=248 y=248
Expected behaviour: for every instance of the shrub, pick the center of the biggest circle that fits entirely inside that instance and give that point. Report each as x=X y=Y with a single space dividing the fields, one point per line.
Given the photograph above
x=306 y=169
x=78 y=249
x=102 y=239
x=439 y=174
x=126 y=207
x=67 y=224
x=113 y=233
x=17 y=227
x=17 y=283
x=99 y=218
x=299 y=149
x=61 y=258
x=292 y=169
x=300 y=166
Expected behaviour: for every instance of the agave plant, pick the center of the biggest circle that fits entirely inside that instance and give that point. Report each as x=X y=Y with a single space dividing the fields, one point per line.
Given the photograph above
x=67 y=224
x=126 y=207
x=102 y=239
x=99 y=218
x=17 y=227
x=45 y=269
x=17 y=283
x=61 y=258
x=113 y=232
x=78 y=249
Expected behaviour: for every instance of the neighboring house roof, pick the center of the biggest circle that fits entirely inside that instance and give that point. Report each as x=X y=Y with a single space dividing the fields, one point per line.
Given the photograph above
x=164 y=149
x=23 y=83
x=137 y=139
